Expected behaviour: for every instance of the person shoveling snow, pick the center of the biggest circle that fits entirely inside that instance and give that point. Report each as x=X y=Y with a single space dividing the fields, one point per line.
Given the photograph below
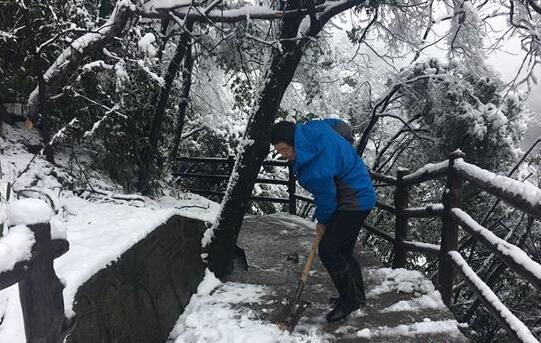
x=327 y=165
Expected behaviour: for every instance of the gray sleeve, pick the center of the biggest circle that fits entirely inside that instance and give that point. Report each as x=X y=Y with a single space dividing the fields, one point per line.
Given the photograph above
x=345 y=130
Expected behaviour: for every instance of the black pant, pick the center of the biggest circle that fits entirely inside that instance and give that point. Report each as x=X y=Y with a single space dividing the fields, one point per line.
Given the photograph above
x=336 y=247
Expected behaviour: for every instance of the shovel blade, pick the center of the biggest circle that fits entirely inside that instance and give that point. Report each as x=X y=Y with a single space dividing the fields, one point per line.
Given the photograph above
x=289 y=315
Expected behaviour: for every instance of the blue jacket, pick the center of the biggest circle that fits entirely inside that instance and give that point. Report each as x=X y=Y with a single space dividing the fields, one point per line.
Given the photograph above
x=328 y=166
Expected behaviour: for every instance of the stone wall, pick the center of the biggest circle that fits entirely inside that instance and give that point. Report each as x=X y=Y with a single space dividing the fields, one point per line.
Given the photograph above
x=140 y=297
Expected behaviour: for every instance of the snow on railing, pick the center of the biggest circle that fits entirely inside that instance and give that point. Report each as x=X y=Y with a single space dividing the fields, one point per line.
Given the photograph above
x=427 y=172
x=523 y=196
x=27 y=243
x=15 y=247
x=512 y=255
x=423 y=247
x=498 y=309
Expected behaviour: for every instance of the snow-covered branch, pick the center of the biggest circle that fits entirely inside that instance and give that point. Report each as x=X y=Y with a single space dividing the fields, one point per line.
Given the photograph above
x=71 y=57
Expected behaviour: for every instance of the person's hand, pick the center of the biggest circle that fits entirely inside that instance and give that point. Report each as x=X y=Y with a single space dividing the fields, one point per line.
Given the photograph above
x=321 y=227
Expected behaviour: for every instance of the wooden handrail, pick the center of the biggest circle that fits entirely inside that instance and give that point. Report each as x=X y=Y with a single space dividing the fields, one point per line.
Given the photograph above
x=386 y=207
x=510 y=254
x=434 y=210
x=426 y=248
x=401 y=200
x=253 y=197
x=226 y=177
x=11 y=277
x=526 y=198
x=382 y=177
x=498 y=310
x=378 y=232
x=231 y=159
x=304 y=198
x=428 y=172
x=452 y=197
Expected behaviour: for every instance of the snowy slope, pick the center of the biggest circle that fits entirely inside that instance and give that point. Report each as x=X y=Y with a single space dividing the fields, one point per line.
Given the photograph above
x=99 y=224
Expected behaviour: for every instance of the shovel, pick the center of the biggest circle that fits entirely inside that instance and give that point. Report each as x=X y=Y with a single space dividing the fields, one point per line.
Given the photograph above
x=288 y=316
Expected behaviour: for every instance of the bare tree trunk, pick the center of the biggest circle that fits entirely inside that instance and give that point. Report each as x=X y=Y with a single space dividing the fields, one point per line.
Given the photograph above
x=183 y=103
x=255 y=144
x=150 y=153
x=254 y=149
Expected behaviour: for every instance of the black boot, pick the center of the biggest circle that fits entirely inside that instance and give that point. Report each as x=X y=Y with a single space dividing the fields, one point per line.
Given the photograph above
x=357 y=276
x=348 y=301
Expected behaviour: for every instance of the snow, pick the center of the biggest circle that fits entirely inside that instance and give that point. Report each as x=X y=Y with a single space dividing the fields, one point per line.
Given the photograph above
x=11 y=327
x=430 y=168
x=401 y=280
x=503 y=247
x=78 y=46
x=28 y=211
x=431 y=301
x=15 y=246
x=220 y=312
x=58 y=229
x=155 y=77
x=166 y=4
x=97 y=65
x=519 y=327
x=528 y=192
x=104 y=231
x=424 y=245
x=411 y=330
x=145 y=44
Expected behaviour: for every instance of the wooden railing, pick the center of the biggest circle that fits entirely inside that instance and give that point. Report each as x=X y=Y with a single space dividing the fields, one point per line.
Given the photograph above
x=229 y=162
x=40 y=290
x=516 y=194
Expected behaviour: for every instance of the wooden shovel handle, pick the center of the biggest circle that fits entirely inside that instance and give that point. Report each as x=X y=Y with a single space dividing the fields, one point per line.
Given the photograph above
x=310 y=259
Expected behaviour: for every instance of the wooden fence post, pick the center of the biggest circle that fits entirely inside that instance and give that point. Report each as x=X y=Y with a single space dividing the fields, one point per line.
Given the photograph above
x=40 y=291
x=449 y=230
x=401 y=199
x=292 y=189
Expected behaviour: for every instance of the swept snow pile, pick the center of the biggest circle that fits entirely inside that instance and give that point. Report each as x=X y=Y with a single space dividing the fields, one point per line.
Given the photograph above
x=220 y=312
x=401 y=280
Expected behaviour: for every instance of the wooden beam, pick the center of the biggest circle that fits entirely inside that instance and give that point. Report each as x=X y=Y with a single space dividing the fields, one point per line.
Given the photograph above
x=428 y=172
x=435 y=210
x=382 y=177
x=378 y=232
x=401 y=200
x=385 y=207
x=452 y=198
x=514 y=257
x=11 y=277
x=518 y=194
x=495 y=307
x=425 y=248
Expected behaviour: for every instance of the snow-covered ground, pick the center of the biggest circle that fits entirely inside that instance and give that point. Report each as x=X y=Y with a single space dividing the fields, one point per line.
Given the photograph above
x=99 y=223
x=220 y=312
